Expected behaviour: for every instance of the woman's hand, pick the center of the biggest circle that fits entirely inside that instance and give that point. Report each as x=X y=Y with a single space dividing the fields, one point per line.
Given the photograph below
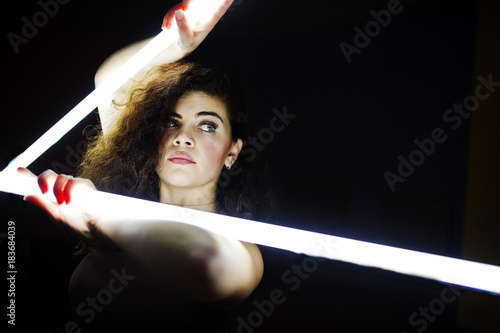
x=191 y=34
x=79 y=219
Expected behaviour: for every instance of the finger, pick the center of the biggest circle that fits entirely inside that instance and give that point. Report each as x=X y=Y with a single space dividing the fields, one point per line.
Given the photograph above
x=167 y=20
x=170 y=16
x=46 y=180
x=73 y=183
x=185 y=32
x=25 y=173
x=59 y=186
x=68 y=187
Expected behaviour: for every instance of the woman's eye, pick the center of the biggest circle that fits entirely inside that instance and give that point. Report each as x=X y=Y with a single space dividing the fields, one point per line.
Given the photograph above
x=208 y=127
x=172 y=123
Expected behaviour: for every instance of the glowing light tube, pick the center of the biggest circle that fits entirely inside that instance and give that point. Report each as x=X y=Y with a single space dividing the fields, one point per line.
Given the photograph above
x=460 y=272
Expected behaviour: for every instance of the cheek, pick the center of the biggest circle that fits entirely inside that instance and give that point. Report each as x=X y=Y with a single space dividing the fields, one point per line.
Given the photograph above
x=214 y=154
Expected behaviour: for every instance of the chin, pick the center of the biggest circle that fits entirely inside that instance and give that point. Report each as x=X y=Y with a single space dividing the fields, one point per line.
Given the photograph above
x=180 y=183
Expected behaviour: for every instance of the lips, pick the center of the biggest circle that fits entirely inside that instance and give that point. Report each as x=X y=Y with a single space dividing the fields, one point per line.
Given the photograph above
x=181 y=158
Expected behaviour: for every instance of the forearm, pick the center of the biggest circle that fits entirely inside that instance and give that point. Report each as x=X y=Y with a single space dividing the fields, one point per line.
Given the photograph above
x=202 y=265
x=178 y=254
x=107 y=70
x=117 y=59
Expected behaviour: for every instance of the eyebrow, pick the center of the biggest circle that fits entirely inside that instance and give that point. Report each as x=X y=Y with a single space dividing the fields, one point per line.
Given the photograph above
x=200 y=114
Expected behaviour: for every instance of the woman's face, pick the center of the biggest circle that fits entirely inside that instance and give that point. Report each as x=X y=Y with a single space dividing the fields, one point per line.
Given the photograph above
x=198 y=143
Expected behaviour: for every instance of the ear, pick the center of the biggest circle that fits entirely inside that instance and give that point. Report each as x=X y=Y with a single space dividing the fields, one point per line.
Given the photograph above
x=233 y=153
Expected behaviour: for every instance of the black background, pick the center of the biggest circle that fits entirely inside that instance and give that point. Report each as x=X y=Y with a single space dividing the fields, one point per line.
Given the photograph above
x=352 y=122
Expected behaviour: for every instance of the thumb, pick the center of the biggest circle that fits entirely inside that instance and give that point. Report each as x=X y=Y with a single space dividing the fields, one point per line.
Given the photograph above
x=49 y=207
x=170 y=16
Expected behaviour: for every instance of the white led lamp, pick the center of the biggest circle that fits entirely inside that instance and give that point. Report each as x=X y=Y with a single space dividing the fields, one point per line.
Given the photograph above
x=459 y=272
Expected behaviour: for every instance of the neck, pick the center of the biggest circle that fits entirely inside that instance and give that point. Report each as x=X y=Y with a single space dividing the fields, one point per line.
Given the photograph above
x=189 y=198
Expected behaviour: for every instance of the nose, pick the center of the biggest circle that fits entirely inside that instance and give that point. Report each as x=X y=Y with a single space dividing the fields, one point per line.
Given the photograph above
x=183 y=139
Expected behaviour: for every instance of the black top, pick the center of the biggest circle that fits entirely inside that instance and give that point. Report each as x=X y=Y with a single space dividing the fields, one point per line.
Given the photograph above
x=111 y=292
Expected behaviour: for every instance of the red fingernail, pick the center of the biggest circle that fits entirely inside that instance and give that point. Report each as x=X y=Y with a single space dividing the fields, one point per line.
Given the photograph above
x=60 y=198
x=179 y=15
x=166 y=24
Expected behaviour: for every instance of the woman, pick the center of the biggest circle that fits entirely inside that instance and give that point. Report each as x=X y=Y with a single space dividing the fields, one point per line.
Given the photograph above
x=174 y=133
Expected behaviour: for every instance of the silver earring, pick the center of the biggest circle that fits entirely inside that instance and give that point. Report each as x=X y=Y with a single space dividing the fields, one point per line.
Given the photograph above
x=229 y=167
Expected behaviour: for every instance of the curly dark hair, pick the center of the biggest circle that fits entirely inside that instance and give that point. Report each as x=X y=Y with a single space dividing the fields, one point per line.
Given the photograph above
x=124 y=160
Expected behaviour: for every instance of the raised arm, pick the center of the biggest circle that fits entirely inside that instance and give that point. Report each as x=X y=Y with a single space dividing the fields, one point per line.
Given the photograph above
x=191 y=30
